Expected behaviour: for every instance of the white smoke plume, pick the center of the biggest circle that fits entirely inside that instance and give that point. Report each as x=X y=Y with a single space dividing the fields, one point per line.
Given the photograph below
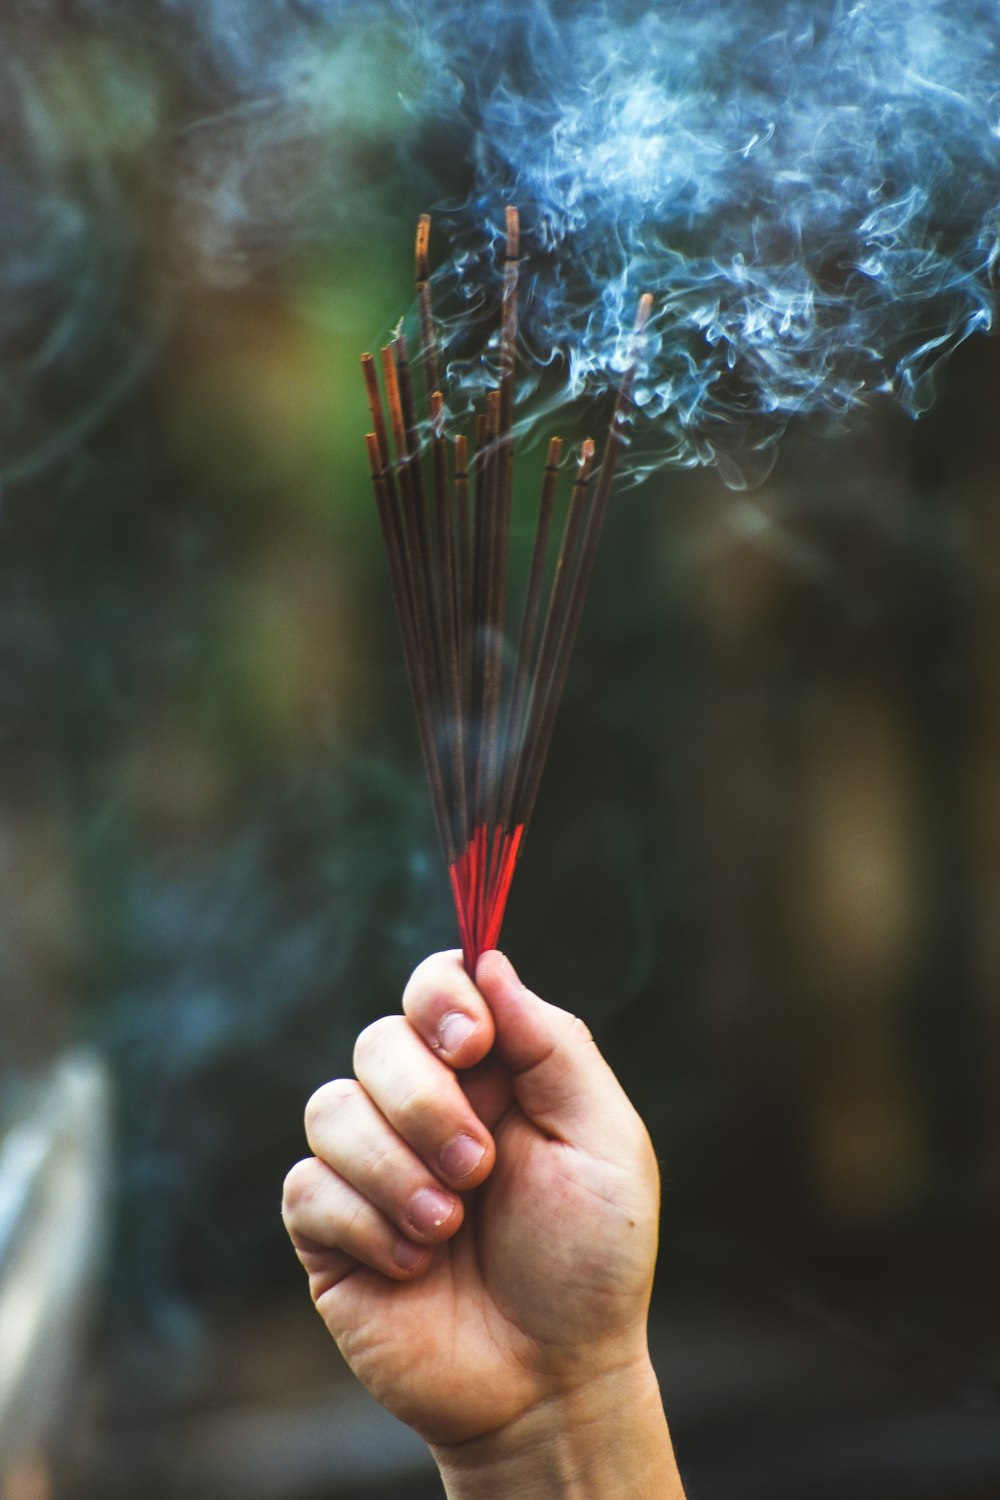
x=811 y=191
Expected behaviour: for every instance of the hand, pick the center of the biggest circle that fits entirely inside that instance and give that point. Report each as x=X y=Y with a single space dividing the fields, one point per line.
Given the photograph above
x=479 y=1221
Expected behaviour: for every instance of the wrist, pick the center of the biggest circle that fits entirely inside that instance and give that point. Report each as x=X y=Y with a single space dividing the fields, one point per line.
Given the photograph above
x=605 y=1439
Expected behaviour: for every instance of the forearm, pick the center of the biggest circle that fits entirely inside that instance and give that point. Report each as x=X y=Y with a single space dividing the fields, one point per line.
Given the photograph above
x=608 y=1441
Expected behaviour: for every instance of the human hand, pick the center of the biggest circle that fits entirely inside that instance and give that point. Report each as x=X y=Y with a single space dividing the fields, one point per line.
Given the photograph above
x=479 y=1221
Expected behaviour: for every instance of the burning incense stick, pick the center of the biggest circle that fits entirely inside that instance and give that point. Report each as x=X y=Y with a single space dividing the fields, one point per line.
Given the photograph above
x=444 y=506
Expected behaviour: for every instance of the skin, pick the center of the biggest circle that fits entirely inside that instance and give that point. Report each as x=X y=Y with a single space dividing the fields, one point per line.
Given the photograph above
x=479 y=1227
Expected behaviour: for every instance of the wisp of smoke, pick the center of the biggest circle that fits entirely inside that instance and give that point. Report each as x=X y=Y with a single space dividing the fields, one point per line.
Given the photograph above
x=810 y=191
x=809 y=188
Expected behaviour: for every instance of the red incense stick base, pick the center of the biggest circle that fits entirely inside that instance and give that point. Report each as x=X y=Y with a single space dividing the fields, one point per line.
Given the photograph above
x=480 y=882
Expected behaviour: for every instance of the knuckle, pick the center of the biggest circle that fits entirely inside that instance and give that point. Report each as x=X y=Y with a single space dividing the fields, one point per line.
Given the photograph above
x=355 y=1228
x=418 y=978
x=417 y=1109
x=433 y=976
x=299 y=1187
x=326 y=1101
x=385 y=1165
x=373 y=1040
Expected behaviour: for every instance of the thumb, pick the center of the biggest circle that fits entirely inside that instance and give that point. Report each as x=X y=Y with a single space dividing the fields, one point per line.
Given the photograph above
x=560 y=1080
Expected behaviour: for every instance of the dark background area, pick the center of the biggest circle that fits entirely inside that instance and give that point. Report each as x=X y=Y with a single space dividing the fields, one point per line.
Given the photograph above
x=765 y=864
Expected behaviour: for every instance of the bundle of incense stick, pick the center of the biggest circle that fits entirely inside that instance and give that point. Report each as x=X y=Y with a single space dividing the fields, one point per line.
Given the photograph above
x=485 y=709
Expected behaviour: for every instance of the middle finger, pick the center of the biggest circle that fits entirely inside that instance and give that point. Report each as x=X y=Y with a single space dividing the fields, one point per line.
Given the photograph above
x=422 y=1099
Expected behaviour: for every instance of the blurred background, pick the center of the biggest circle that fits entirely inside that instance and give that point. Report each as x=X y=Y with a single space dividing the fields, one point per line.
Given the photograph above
x=765 y=864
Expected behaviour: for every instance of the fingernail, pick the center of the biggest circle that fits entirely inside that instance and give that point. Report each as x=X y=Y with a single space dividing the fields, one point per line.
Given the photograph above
x=429 y=1209
x=461 y=1157
x=407 y=1255
x=455 y=1029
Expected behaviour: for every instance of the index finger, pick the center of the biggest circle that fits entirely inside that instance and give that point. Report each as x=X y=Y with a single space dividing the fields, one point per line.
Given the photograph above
x=444 y=1007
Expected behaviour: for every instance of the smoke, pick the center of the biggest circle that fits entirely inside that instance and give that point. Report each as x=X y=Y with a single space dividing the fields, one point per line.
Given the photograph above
x=811 y=192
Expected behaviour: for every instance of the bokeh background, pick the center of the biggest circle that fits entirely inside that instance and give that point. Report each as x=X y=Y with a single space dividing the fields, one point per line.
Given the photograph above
x=765 y=864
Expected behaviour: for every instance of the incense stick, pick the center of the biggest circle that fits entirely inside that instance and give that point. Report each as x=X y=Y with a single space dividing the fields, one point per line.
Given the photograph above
x=444 y=506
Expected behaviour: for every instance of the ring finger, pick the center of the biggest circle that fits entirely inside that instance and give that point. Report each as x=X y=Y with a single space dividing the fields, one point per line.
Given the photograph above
x=424 y=1102
x=348 y=1132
